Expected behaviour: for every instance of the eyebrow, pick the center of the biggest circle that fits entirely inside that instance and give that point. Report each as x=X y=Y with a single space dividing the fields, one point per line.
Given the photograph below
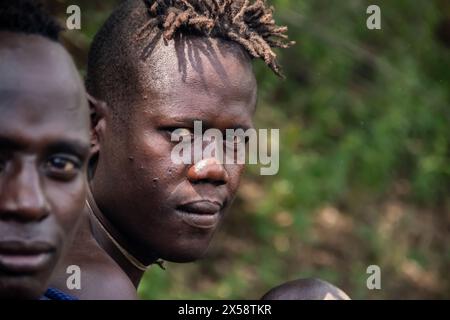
x=9 y=144
x=182 y=120
x=206 y=124
x=79 y=148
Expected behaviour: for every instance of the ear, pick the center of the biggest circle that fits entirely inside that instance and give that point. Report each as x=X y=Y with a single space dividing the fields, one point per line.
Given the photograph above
x=98 y=114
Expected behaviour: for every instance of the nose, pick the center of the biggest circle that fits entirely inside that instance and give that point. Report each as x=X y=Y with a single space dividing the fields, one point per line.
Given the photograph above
x=22 y=197
x=208 y=170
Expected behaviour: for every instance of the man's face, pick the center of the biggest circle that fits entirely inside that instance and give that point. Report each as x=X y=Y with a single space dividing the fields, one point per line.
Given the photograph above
x=162 y=208
x=44 y=146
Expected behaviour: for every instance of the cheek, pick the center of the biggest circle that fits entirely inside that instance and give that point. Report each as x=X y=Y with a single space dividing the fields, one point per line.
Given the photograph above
x=67 y=201
x=151 y=157
x=234 y=176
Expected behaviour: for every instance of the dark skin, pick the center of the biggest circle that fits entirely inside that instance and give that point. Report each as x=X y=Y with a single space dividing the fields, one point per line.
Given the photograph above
x=136 y=186
x=44 y=149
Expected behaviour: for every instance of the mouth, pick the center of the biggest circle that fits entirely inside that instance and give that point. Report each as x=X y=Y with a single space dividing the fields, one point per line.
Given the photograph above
x=203 y=214
x=18 y=257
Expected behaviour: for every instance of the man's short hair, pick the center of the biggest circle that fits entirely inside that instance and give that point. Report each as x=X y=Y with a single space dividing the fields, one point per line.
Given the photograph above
x=29 y=17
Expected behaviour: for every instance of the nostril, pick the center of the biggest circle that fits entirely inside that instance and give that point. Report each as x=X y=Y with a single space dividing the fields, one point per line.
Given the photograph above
x=23 y=216
x=23 y=196
x=20 y=209
x=33 y=213
x=23 y=204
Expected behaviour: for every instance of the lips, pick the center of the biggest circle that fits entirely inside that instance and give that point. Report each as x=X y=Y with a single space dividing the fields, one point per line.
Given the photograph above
x=201 y=207
x=201 y=214
x=25 y=257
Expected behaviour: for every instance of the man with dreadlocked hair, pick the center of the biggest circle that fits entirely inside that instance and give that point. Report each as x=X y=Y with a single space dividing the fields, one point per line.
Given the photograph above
x=249 y=23
x=156 y=67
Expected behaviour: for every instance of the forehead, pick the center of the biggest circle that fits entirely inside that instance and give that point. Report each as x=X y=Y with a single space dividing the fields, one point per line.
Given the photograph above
x=34 y=63
x=40 y=89
x=199 y=77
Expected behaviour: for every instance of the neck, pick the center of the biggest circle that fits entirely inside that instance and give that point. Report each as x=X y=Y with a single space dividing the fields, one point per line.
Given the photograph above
x=114 y=243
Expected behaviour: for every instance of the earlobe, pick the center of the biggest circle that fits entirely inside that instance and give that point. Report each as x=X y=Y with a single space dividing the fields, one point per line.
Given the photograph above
x=98 y=112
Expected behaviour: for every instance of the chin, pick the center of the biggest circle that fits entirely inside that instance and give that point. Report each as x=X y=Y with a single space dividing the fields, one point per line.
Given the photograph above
x=20 y=288
x=185 y=256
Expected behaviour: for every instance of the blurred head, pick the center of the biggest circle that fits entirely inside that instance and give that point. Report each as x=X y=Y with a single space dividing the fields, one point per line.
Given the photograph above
x=44 y=146
x=158 y=68
x=306 y=289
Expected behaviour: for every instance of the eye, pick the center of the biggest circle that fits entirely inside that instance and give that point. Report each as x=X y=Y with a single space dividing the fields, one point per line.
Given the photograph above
x=63 y=166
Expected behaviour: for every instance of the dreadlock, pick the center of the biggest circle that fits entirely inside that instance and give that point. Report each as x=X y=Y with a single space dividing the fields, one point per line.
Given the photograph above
x=135 y=28
x=28 y=16
x=247 y=22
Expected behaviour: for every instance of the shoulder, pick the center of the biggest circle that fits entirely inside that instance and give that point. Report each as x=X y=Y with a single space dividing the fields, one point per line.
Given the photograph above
x=100 y=276
x=106 y=283
x=306 y=289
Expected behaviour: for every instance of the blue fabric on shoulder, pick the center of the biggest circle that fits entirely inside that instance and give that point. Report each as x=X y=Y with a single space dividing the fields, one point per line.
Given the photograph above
x=55 y=294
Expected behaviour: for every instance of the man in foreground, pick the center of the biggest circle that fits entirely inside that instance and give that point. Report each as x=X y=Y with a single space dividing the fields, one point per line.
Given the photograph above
x=44 y=149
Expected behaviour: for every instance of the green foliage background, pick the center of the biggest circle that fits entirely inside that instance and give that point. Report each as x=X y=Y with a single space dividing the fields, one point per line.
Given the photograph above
x=364 y=175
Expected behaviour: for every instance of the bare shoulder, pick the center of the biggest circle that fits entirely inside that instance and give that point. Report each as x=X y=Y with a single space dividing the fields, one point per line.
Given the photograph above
x=100 y=276
x=306 y=289
x=103 y=282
